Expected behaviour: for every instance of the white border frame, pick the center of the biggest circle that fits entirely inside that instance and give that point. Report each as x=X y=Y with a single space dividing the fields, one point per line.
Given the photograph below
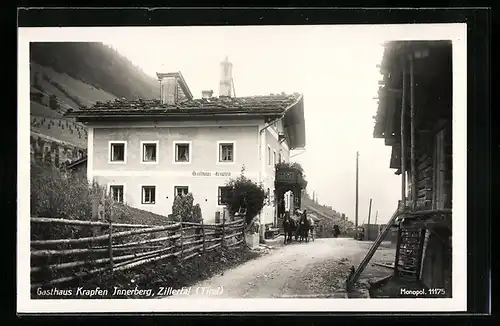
x=112 y=184
x=110 y=143
x=457 y=32
x=142 y=194
x=226 y=142
x=180 y=185
x=149 y=142
x=174 y=150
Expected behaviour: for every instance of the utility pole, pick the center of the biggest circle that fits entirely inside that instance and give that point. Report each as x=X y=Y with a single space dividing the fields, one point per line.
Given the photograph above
x=357 y=183
x=376 y=215
x=369 y=214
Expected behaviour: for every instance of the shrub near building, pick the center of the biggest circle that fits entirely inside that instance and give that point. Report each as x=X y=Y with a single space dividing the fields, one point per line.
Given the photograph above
x=245 y=194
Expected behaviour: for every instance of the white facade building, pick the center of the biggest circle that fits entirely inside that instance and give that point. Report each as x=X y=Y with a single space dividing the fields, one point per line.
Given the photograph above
x=147 y=152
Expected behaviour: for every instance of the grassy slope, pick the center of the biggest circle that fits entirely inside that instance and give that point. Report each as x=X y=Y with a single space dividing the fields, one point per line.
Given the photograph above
x=42 y=116
x=36 y=109
x=59 y=128
x=85 y=93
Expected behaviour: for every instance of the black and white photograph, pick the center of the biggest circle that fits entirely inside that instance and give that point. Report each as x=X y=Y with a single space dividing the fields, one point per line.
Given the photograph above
x=298 y=166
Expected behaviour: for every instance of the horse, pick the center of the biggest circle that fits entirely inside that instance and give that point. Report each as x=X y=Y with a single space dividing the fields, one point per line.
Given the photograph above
x=303 y=228
x=311 y=227
x=288 y=227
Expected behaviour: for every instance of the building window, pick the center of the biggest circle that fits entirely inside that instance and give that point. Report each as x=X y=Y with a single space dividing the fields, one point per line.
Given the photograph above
x=149 y=152
x=117 y=152
x=148 y=194
x=274 y=158
x=182 y=152
x=181 y=191
x=116 y=193
x=223 y=195
x=226 y=152
x=279 y=158
x=268 y=155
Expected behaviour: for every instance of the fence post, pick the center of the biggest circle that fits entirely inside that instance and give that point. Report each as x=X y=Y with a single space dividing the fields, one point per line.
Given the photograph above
x=243 y=242
x=110 y=248
x=223 y=231
x=181 y=240
x=95 y=213
x=203 y=234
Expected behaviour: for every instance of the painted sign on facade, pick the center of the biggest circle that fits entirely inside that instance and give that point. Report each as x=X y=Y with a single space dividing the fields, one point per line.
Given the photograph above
x=210 y=174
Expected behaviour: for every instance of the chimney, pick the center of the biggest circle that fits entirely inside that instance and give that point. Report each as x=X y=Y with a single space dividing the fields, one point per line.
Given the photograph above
x=207 y=93
x=169 y=91
x=226 y=79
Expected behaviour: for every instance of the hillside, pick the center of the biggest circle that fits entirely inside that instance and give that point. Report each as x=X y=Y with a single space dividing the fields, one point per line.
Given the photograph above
x=70 y=92
x=96 y=65
x=325 y=213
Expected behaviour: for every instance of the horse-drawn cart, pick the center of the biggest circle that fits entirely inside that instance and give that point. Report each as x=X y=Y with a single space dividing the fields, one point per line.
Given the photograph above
x=300 y=227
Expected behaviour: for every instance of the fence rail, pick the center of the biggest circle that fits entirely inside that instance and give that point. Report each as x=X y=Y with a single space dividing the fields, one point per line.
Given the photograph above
x=122 y=246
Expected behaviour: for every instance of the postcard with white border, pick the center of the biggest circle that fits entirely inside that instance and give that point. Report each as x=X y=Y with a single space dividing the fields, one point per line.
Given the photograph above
x=235 y=168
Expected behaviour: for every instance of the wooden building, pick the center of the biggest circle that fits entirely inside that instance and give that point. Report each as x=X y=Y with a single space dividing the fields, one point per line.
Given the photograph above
x=414 y=117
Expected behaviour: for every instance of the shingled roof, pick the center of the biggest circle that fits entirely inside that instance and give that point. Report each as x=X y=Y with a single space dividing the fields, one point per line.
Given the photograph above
x=250 y=104
x=268 y=107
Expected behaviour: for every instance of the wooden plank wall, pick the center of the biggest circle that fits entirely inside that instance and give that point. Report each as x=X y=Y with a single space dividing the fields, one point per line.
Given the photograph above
x=448 y=174
x=425 y=170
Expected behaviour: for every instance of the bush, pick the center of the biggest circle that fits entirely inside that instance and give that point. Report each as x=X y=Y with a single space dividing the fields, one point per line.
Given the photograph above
x=244 y=193
x=59 y=194
x=197 y=217
x=183 y=208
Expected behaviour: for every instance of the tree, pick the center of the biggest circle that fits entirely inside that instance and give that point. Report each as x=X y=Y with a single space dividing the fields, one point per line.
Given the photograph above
x=244 y=193
x=53 y=104
x=183 y=209
x=196 y=213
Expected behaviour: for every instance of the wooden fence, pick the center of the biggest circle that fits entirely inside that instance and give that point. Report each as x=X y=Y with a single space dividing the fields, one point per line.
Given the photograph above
x=120 y=247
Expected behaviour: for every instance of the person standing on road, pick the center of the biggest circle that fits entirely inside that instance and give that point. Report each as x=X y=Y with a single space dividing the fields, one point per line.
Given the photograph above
x=336 y=231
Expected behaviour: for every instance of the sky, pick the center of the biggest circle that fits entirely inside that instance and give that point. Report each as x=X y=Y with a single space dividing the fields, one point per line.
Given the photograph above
x=334 y=67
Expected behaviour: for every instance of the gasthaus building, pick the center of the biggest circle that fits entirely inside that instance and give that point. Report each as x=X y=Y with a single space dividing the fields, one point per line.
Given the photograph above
x=148 y=151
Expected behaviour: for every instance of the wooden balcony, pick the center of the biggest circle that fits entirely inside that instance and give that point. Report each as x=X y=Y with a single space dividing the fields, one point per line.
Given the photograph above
x=288 y=175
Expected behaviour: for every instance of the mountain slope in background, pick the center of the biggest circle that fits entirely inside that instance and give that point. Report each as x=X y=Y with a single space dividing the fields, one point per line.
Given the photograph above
x=70 y=92
x=97 y=65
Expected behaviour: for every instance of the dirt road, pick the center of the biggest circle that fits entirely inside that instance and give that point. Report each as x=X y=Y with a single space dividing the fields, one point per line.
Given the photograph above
x=314 y=269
